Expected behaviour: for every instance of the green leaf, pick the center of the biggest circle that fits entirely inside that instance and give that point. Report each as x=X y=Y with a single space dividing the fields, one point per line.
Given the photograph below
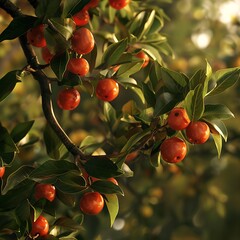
x=217 y=111
x=7 y=84
x=127 y=172
x=47 y=9
x=152 y=51
x=72 y=7
x=155 y=159
x=142 y=23
x=65 y=26
x=69 y=223
x=125 y=58
x=70 y=79
x=17 y=177
x=165 y=48
x=156 y=25
x=109 y=113
x=8 y=222
x=52 y=143
x=201 y=77
x=56 y=43
x=15 y=196
x=218 y=143
x=90 y=144
x=17 y=27
x=165 y=102
x=37 y=209
x=194 y=103
x=135 y=139
x=208 y=77
x=67 y=199
x=174 y=81
x=23 y=211
x=113 y=52
x=225 y=79
x=106 y=187
x=148 y=95
x=65 y=238
x=52 y=168
x=102 y=167
x=7 y=144
x=21 y=130
x=128 y=69
x=130 y=83
x=197 y=78
x=155 y=75
x=59 y=64
x=112 y=206
x=219 y=126
x=8 y=157
x=70 y=183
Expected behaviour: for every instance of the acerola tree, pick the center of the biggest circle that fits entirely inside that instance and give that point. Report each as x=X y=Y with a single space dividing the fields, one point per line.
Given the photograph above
x=112 y=53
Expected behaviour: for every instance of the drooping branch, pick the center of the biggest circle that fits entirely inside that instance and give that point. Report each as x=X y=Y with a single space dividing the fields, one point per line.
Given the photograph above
x=44 y=83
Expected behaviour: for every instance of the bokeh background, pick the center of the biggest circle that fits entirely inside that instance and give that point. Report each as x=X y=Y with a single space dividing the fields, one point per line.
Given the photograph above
x=196 y=200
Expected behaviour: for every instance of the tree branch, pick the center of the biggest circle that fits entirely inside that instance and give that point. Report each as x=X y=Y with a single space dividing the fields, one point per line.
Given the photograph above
x=10 y=8
x=44 y=83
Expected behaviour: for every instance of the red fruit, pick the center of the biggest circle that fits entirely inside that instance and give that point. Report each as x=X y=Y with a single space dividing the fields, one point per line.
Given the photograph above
x=40 y=226
x=36 y=37
x=198 y=132
x=173 y=150
x=78 y=66
x=178 y=119
x=131 y=156
x=2 y=171
x=144 y=56
x=113 y=180
x=68 y=99
x=91 y=203
x=81 y=18
x=46 y=55
x=92 y=4
x=107 y=89
x=118 y=4
x=82 y=41
x=46 y=191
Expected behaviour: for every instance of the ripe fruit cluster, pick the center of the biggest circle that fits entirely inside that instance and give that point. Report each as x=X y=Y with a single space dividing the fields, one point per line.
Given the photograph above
x=82 y=42
x=40 y=227
x=174 y=149
x=91 y=203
